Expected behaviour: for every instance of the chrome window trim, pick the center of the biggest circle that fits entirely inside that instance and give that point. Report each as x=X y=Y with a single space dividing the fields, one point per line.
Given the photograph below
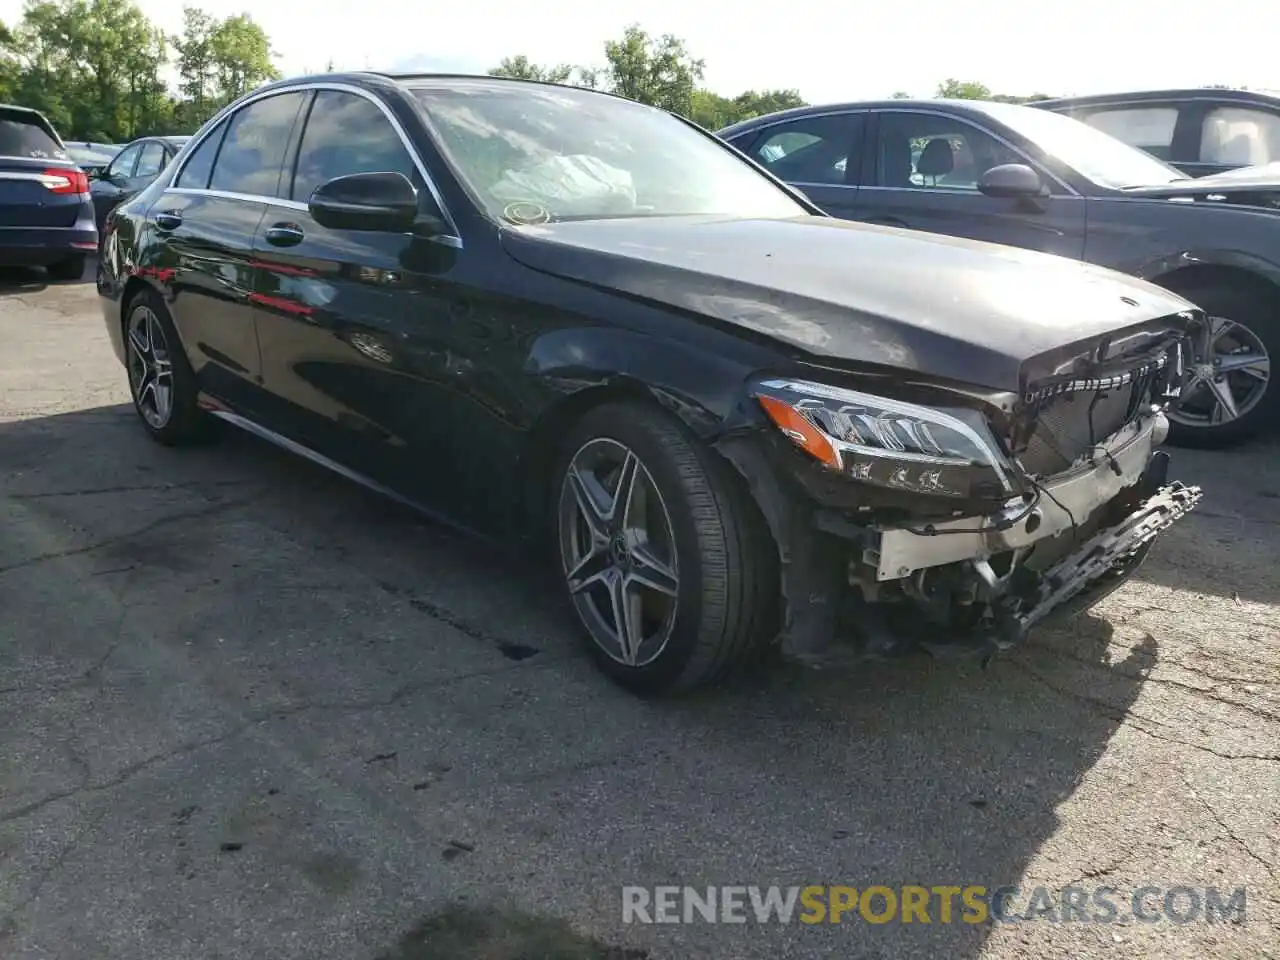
x=1069 y=190
x=453 y=239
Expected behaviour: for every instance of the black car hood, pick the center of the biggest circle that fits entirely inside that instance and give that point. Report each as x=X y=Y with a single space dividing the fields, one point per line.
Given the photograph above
x=959 y=310
x=1264 y=178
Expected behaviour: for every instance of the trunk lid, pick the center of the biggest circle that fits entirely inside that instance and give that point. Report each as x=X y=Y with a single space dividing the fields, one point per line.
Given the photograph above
x=952 y=309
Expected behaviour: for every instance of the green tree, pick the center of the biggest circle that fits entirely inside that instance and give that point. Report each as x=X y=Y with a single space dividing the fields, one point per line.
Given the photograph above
x=196 y=67
x=241 y=57
x=521 y=68
x=952 y=89
x=657 y=71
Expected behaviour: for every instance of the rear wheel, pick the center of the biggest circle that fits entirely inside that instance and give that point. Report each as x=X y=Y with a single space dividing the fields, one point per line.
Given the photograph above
x=161 y=381
x=69 y=269
x=665 y=559
x=1228 y=396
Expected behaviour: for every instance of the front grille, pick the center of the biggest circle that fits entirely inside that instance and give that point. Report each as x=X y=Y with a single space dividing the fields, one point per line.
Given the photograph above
x=1063 y=433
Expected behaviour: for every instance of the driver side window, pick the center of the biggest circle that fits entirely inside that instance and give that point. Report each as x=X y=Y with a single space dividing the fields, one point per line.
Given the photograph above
x=924 y=150
x=121 y=167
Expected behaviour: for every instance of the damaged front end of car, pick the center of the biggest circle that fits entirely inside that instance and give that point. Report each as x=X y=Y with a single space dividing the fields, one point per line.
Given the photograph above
x=910 y=514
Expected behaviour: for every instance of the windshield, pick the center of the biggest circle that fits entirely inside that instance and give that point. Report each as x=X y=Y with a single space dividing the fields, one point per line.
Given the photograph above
x=532 y=154
x=1093 y=154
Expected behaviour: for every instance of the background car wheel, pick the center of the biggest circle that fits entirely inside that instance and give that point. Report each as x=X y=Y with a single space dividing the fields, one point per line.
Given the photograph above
x=665 y=558
x=1229 y=396
x=71 y=268
x=161 y=381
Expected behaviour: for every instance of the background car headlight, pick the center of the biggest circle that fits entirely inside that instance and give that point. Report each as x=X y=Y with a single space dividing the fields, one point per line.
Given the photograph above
x=903 y=446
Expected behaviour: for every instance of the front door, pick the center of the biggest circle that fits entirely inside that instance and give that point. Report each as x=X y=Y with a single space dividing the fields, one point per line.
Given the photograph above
x=925 y=172
x=346 y=317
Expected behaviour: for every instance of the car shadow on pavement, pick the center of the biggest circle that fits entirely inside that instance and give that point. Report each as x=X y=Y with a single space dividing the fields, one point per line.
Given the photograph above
x=18 y=281
x=329 y=604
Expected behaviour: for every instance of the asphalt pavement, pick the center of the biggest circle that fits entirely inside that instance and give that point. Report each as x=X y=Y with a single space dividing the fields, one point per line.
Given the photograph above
x=248 y=709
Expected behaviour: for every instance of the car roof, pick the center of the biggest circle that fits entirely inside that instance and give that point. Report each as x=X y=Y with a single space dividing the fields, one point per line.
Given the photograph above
x=970 y=108
x=372 y=79
x=1232 y=95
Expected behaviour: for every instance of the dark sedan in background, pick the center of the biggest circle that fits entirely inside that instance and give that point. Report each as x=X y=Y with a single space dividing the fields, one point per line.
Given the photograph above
x=1201 y=131
x=46 y=217
x=1035 y=179
x=534 y=308
x=132 y=168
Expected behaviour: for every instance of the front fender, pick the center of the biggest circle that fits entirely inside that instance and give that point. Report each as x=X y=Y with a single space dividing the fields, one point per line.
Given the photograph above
x=1236 y=259
x=702 y=388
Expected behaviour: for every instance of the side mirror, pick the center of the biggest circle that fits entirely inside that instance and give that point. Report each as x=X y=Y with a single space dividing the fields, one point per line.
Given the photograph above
x=386 y=202
x=1012 y=181
x=93 y=173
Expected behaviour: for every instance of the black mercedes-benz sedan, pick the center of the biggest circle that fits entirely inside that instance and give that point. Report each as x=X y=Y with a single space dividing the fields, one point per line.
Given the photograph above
x=1031 y=178
x=552 y=314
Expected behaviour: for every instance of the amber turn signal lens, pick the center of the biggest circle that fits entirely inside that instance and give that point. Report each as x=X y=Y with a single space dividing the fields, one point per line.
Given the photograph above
x=800 y=431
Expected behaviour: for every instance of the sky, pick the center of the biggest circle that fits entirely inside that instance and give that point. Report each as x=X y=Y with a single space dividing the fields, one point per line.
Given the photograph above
x=828 y=51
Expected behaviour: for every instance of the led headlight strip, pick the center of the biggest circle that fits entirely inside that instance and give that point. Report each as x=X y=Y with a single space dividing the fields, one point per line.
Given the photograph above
x=851 y=431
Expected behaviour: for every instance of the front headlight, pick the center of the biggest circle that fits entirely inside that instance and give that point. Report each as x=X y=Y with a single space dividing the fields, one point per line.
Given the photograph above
x=903 y=446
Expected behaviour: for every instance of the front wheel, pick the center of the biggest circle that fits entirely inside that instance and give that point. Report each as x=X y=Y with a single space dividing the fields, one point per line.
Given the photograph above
x=665 y=559
x=1228 y=396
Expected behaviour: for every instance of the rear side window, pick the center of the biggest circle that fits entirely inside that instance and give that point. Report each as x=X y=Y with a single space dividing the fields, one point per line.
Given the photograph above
x=253 y=150
x=346 y=134
x=1147 y=128
x=1240 y=137
x=811 y=149
x=23 y=135
x=195 y=175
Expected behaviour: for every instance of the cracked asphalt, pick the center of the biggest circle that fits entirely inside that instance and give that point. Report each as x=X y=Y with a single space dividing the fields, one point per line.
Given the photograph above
x=248 y=709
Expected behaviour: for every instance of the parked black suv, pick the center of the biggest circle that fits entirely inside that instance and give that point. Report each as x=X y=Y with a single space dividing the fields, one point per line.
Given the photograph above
x=1201 y=132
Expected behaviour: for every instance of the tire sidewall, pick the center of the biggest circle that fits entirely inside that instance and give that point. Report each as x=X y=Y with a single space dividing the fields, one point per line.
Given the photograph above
x=661 y=673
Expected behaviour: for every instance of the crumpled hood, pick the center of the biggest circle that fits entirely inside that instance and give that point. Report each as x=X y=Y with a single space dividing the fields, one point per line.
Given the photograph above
x=977 y=313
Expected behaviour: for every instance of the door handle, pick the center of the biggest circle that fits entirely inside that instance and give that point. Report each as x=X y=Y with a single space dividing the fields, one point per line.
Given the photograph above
x=284 y=234
x=169 y=220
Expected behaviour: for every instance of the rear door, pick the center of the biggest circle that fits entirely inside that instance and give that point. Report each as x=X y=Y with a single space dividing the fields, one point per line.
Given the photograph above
x=208 y=218
x=924 y=172
x=37 y=186
x=816 y=154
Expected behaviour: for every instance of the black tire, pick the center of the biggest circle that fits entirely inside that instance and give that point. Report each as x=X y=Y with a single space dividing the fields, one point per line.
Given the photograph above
x=727 y=596
x=68 y=270
x=186 y=422
x=1260 y=314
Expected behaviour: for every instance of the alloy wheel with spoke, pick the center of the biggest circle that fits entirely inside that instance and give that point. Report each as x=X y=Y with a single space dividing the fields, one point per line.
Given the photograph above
x=150 y=367
x=1228 y=377
x=618 y=549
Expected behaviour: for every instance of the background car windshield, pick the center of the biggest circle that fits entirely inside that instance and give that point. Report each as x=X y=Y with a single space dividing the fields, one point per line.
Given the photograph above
x=1093 y=154
x=532 y=153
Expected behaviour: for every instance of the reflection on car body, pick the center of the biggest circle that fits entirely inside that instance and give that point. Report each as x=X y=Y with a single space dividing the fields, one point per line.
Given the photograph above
x=731 y=419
